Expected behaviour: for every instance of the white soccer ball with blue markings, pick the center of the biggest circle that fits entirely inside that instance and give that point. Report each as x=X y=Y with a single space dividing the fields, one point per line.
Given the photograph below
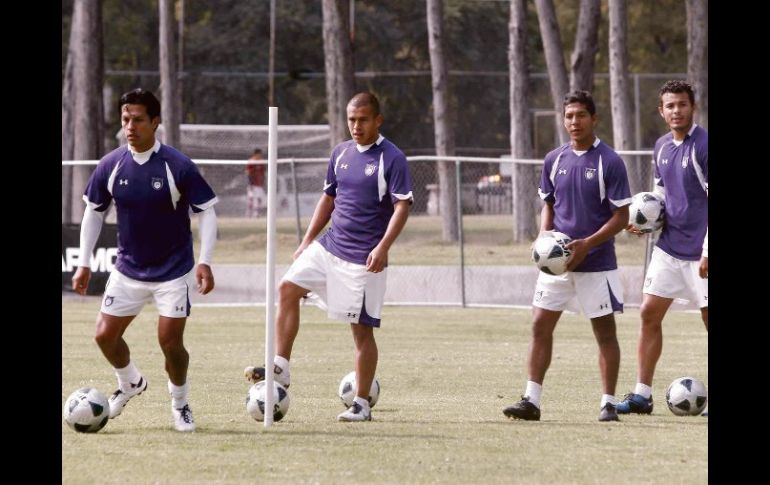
x=647 y=212
x=348 y=388
x=255 y=401
x=86 y=410
x=550 y=253
x=686 y=396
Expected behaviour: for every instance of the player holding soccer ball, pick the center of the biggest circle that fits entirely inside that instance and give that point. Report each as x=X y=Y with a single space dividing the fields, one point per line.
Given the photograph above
x=586 y=193
x=679 y=264
x=367 y=195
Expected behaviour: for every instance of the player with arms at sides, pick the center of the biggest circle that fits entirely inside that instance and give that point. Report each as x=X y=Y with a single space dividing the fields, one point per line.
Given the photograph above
x=367 y=196
x=679 y=264
x=586 y=193
x=255 y=191
x=154 y=187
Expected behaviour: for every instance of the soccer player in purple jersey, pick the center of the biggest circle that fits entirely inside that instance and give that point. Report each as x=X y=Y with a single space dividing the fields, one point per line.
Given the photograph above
x=586 y=193
x=679 y=264
x=367 y=196
x=154 y=187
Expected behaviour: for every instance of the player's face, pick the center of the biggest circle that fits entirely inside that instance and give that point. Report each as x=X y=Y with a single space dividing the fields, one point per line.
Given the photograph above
x=138 y=127
x=364 y=126
x=579 y=123
x=676 y=109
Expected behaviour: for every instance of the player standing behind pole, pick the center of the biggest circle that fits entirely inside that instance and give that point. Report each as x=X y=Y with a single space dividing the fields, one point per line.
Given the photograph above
x=586 y=193
x=255 y=192
x=154 y=187
x=367 y=194
x=679 y=264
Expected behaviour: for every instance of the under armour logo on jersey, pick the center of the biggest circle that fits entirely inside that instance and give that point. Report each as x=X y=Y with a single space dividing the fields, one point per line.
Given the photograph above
x=157 y=183
x=179 y=308
x=123 y=182
x=603 y=306
x=562 y=171
x=664 y=161
x=344 y=165
x=370 y=168
x=685 y=160
x=352 y=315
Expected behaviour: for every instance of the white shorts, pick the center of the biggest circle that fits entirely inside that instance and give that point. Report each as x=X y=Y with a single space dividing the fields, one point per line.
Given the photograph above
x=255 y=192
x=670 y=277
x=598 y=293
x=124 y=296
x=345 y=290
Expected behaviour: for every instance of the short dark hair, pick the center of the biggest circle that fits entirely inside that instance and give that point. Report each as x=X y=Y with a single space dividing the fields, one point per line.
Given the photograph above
x=366 y=98
x=582 y=97
x=143 y=97
x=676 y=87
x=257 y=151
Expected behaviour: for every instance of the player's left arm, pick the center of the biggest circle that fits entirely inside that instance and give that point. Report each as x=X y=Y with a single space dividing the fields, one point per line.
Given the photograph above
x=207 y=225
x=703 y=159
x=378 y=258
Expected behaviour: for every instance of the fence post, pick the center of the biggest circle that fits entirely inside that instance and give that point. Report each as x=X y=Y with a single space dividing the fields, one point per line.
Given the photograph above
x=460 y=237
x=296 y=201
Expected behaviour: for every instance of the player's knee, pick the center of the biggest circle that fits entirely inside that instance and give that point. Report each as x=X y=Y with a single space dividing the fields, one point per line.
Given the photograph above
x=288 y=292
x=171 y=344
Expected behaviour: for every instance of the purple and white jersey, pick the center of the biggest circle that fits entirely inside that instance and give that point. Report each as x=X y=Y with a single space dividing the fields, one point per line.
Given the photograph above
x=365 y=185
x=152 y=200
x=585 y=190
x=683 y=170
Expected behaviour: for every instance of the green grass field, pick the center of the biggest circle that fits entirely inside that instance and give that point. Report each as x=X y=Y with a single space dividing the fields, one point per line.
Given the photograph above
x=446 y=374
x=488 y=241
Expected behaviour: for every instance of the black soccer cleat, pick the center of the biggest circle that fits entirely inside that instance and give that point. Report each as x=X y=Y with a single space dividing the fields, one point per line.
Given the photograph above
x=523 y=410
x=608 y=413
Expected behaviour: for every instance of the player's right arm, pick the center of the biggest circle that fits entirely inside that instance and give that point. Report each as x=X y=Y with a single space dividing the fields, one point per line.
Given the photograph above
x=89 y=233
x=321 y=215
x=97 y=196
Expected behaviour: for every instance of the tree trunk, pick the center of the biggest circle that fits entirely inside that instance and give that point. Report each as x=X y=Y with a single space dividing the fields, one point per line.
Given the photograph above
x=87 y=80
x=554 y=59
x=338 y=56
x=586 y=46
x=523 y=181
x=698 y=57
x=168 y=80
x=620 y=92
x=442 y=121
x=67 y=129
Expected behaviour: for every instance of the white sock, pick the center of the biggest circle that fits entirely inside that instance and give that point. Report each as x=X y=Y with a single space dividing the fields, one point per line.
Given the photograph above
x=363 y=402
x=643 y=390
x=127 y=375
x=533 y=392
x=178 y=394
x=608 y=398
x=283 y=363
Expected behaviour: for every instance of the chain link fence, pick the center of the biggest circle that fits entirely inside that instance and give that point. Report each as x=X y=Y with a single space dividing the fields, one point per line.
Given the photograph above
x=482 y=265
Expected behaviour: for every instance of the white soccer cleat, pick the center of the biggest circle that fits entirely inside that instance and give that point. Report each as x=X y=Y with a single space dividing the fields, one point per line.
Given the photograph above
x=355 y=413
x=120 y=398
x=257 y=374
x=183 y=419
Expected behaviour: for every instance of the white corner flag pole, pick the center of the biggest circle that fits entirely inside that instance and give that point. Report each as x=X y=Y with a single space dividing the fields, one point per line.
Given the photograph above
x=272 y=176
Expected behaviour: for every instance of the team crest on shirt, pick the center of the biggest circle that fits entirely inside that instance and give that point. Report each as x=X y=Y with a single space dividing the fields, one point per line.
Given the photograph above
x=590 y=173
x=684 y=161
x=370 y=168
x=157 y=183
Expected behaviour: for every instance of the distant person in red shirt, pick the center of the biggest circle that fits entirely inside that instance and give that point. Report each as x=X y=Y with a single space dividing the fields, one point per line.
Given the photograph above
x=255 y=192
